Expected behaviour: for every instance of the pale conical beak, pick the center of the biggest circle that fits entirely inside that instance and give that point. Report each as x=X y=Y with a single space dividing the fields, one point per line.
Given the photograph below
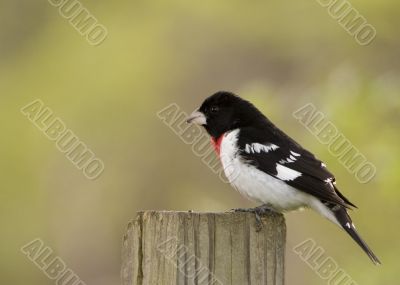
x=197 y=118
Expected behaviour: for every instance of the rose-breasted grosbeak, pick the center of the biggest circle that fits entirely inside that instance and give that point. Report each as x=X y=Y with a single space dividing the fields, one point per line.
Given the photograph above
x=266 y=166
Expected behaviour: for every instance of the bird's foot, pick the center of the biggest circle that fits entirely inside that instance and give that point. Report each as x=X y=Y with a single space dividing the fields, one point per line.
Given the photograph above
x=258 y=212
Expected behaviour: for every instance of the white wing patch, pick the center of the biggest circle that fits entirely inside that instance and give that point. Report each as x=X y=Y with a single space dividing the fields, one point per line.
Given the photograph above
x=294 y=153
x=290 y=159
x=285 y=173
x=330 y=181
x=258 y=148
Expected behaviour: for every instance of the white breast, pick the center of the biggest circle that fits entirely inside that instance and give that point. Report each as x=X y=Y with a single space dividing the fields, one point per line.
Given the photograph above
x=255 y=184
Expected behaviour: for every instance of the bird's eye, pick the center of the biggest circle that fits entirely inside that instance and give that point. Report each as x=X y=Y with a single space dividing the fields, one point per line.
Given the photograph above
x=214 y=109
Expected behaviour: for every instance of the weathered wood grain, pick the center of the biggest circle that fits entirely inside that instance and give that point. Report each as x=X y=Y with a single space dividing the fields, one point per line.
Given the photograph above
x=168 y=248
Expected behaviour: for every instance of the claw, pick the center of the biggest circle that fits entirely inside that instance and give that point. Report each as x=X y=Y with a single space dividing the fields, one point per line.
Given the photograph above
x=259 y=223
x=258 y=212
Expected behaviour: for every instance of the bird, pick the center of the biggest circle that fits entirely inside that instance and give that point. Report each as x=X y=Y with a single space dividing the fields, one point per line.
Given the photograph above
x=270 y=168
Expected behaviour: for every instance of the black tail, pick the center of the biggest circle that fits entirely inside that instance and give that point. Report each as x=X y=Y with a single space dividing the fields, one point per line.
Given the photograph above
x=345 y=221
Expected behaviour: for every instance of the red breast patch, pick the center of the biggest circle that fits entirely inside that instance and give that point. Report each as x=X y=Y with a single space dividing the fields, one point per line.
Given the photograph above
x=217 y=144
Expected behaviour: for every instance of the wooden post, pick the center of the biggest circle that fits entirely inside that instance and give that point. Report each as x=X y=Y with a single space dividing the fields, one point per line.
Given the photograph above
x=175 y=248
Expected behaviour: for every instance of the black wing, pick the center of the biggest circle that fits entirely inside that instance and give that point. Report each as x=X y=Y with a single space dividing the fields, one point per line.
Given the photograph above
x=275 y=153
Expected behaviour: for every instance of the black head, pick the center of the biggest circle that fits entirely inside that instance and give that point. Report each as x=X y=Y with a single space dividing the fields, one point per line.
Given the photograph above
x=224 y=111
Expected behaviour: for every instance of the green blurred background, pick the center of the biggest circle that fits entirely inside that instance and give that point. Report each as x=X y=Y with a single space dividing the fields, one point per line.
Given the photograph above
x=278 y=54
